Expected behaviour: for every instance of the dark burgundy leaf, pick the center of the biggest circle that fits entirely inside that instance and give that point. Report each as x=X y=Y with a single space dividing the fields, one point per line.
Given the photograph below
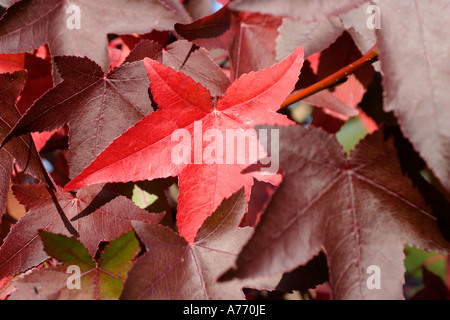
x=20 y=151
x=360 y=210
x=97 y=107
x=248 y=38
x=339 y=54
x=416 y=76
x=305 y=10
x=318 y=35
x=96 y=214
x=29 y=24
x=174 y=269
x=188 y=58
x=313 y=37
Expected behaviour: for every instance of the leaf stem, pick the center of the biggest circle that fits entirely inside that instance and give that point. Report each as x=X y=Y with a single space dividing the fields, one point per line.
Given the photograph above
x=370 y=57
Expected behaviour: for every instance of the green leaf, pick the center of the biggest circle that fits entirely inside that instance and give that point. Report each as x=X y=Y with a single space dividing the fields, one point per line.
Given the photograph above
x=142 y=198
x=115 y=262
x=67 y=250
x=416 y=258
x=101 y=279
x=350 y=134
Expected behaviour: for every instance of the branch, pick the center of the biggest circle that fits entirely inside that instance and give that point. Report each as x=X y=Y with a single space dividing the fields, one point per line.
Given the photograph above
x=369 y=58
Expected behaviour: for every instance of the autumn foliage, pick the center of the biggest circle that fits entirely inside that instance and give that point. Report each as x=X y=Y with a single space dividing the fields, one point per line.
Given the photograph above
x=168 y=149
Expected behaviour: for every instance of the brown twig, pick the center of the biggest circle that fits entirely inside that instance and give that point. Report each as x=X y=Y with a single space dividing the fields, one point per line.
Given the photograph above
x=369 y=58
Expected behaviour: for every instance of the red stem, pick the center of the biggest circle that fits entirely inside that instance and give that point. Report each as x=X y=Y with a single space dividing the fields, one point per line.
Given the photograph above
x=369 y=58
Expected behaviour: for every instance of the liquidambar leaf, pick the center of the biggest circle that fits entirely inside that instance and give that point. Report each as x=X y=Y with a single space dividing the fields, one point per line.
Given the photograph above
x=187 y=133
x=361 y=210
x=418 y=96
x=80 y=27
x=305 y=10
x=174 y=269
x=248 y=37
x=187 y=57
x=96 y=214
x=97 y=280
x=97 y=107
x=20 y=151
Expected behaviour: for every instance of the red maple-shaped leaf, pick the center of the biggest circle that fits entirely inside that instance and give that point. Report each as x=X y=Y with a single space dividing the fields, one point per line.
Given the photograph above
x=249 y=38
x=361 y=210
x=80 y=27
x=96 y=107
x=175 y=269
x=96 y=214
x=20 y=151
x=151 y=148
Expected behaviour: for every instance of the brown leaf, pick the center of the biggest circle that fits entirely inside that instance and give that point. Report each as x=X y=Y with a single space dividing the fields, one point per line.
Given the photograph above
x=361 y=210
